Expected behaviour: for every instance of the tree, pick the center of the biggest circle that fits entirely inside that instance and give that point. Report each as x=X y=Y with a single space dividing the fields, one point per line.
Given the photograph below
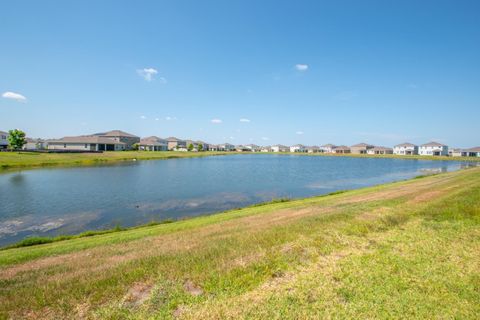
x=190 y=147
x=16 y=139
x=200 y=147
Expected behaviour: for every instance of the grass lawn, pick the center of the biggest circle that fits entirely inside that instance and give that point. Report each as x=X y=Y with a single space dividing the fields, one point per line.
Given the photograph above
x=408 y=249
x=15 y=160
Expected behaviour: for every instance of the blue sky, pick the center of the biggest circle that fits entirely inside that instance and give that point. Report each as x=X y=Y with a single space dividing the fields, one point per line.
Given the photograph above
x=310 y=72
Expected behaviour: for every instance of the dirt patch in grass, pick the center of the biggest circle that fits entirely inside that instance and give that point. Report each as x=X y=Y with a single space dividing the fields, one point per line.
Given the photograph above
x=192 y=288
x=137 y=295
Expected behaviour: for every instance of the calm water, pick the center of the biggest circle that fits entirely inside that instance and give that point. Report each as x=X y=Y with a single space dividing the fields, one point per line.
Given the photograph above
x=71 y=200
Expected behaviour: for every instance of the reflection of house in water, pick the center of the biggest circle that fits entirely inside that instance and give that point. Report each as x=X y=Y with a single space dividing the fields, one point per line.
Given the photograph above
x=434 y=170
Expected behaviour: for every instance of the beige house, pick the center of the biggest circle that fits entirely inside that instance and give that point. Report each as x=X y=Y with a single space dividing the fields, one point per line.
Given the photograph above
x=175 y=143
x=266 y=149
x=280 y=148
x=120 y=136
x=253 y=148
x=86 y=143
x=380 y=150
x=341 y=149
x=472 y=152
x=361 y=148
x=153 y=143
x=34 y=144
x=313 y=149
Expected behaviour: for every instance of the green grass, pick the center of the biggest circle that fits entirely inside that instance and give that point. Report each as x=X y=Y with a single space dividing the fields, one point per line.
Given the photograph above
x=18 y=160
x=408 y=249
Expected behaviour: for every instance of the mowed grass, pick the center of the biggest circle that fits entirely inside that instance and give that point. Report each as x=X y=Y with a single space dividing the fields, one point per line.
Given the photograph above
x=15 y=160
x=404 y=250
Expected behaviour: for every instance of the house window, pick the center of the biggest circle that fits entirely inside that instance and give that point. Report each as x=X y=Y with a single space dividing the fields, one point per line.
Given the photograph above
x=65 y=145
x=86 y=146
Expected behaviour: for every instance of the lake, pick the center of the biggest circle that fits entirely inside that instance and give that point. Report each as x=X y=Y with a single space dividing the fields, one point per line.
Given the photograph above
x=46 y=202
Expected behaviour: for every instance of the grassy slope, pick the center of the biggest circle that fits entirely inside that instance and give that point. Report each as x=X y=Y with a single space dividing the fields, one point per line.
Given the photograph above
x=15 y=160
x=12 y=160
x=403 y=250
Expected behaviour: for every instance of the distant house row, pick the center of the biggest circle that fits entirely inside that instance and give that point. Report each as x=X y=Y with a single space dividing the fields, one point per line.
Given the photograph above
x=117 y=140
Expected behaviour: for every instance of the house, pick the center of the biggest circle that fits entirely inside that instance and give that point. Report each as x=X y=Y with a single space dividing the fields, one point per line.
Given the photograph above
x=3 y=140
x=226 y=147
x=120 y=136
x=266 y=149
x=380 y=150
x=153 y=143
x=327 y=148
x=86 y=143
x=298 y=148
x=433 y=149
x=341 y=149
x=34 y=144
x=361 y=148
x=241 y=148
x=313 y=149
x=212 y=147
x=192 y=143
x=204 y=145
x=455 y=152
x=253 y=148
x=175 y=143
x=405 y=149
x=280 y=148
x=472 y=152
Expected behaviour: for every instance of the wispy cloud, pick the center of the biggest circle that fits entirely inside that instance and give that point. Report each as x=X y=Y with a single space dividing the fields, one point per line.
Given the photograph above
x=157 y=119
x=14 y=96
x=143 y=117
x=244 y=120
x=149 y=74
x=299 y=132
x=168 y=118
x=301 y=67
x=265 y=138
x=216 y=121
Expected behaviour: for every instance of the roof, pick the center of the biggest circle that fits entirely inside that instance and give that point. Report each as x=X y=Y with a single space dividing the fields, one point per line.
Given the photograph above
x=299 y=145
x=153 y=140
x=341 y=148
x=474 y=149
x=433 y=144
x=313 y=147
x=3 y=132
x=173 y=139
x=115 y=133
x=329 y=145
x=404 y=145
x=279 y=146
x=361 y=145
x=86 y=139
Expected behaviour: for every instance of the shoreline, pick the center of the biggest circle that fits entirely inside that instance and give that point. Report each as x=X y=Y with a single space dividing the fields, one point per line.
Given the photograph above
x=15 y=161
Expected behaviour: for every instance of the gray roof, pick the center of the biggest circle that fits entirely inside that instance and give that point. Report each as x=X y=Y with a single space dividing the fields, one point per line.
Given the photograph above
x=3 y=132
x=153 y=141
x=341 y=148
x=474 y=149
x=379 y=148
x=115 y=133
x=86 y=139
x=433 y=144
x=328 y=145
x=173 y=139
x=299 y=145
x=279 y=146
x=362 y=145
x=406 y=144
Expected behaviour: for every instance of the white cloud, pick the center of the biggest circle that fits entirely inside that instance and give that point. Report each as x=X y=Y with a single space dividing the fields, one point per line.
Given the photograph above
x=168 y=118
x=148 y=74
x=14 y=96
x=143 y=117
x=301 y=67
x=232 y=138
x=216 y=121
x=156 y=119
x=244 y=120
x=299 y=132
x=265 y=138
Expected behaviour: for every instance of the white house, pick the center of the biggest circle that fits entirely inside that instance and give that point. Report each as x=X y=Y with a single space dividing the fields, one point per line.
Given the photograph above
x=280 y=148
x=266 y=149
x=34 y=144
x=3 y=140
x=327 y=148
x=298 y=148
x=433 y=149
x=405 y=149
x=313 y=149
x=253 y=148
